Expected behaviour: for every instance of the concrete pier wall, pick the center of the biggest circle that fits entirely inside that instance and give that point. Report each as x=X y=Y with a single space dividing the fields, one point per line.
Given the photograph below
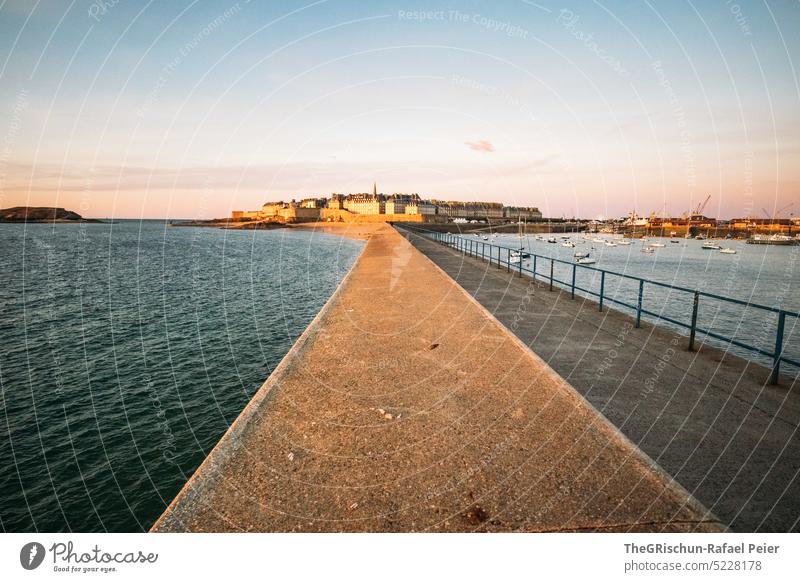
x=405 y=406
x=708 y=417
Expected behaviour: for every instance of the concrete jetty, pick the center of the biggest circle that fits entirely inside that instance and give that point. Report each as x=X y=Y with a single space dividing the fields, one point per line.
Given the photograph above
x=709 y=418
x=406 y=406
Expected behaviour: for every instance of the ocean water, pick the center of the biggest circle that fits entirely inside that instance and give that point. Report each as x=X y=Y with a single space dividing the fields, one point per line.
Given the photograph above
x=762 y=274
x=126 y=350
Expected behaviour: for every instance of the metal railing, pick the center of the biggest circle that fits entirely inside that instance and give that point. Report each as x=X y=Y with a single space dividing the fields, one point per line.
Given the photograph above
x=494 y=254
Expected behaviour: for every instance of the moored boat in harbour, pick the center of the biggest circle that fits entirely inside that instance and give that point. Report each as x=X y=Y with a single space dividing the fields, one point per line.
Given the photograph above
x=772 y=239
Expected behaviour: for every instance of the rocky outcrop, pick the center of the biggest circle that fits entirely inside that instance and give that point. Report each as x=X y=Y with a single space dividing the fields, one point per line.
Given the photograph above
x=37 y=214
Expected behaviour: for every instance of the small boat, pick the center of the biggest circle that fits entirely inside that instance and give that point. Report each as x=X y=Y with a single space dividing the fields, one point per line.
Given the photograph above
x=485 y=237
x=580 y=255
x=552 y=240
x=568 y=244
x=711 y=246
x=586 y=261
x=647 y=250
x=625 y=243
x=599 y=240
x=515 y=260
x=727 y=251
x=657 y=244
x=675 y=241
x=610 y=244
x=520 y=253
x=700 y=237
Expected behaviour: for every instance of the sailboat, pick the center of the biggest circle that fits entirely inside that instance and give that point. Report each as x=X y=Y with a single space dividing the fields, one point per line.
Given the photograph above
x=519 y=253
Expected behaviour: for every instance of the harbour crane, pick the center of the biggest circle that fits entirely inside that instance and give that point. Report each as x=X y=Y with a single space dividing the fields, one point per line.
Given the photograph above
x=702 y=205
x=697 y=215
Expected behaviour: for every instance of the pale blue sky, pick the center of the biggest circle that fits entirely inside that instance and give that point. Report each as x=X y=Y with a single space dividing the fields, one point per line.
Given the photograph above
x=189 y=109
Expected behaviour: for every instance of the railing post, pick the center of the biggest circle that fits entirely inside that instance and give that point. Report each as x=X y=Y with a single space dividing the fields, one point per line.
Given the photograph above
x=534 y=267
x=574 y=269
x=499 y=264
x=693 y=329
x=508 y=262
x=552 y=262
x=639 y=304
x=776 y=358
x=602 y=289
x=520 y=263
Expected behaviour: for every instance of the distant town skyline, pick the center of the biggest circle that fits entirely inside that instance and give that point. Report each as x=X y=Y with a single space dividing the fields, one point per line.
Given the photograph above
x=193 y=110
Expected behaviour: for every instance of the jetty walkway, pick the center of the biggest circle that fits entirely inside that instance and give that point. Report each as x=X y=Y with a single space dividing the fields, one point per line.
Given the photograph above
x=406 y=406
x=709 y=418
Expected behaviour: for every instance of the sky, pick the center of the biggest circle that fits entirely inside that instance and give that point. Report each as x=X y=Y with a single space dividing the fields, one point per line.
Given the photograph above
x=192 y=109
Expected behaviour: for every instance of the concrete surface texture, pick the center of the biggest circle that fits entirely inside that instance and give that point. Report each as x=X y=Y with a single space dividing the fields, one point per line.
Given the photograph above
x=406 y=407
x=708 y=418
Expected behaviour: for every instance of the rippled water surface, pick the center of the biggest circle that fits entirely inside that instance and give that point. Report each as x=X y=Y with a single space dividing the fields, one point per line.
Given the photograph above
x=126 y=350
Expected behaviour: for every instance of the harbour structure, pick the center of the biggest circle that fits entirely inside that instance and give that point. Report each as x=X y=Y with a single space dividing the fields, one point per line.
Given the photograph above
x=684 y=409
x=459 y=444
x=775 y=225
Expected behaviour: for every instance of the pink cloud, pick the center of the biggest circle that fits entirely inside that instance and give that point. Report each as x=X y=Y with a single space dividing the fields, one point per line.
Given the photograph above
x=480 y=146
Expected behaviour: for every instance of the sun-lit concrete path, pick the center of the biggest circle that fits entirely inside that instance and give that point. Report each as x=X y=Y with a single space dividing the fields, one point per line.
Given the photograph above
x=709 y=419
x=406 y=407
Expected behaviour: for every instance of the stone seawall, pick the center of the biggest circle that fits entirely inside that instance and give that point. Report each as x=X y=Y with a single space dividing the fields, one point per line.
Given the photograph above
x=405 y=406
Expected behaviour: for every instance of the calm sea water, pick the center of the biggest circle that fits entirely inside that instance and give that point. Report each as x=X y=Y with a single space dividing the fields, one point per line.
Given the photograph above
x=767 y=275
x=126 y=351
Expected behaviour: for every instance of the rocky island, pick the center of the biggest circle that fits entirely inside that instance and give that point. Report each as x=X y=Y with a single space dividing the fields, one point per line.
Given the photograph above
x=41 y=214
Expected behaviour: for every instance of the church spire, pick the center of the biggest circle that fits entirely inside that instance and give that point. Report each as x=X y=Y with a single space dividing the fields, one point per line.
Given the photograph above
x=374 y=188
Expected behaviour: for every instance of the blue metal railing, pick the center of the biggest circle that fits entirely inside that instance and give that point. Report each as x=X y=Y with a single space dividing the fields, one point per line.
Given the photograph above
x=494 y=254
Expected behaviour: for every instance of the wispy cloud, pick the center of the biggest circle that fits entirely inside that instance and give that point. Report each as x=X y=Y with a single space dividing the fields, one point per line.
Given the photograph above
x=481 y=145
